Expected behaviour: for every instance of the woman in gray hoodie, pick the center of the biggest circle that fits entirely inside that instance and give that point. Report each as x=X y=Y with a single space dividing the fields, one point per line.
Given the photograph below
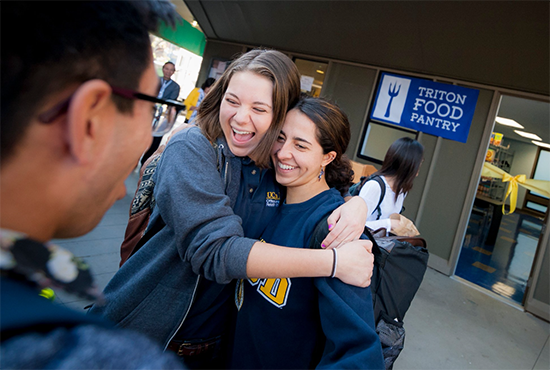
x=212 y=183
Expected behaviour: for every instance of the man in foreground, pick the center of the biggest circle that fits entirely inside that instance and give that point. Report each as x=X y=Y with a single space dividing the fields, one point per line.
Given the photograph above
x=76 y=108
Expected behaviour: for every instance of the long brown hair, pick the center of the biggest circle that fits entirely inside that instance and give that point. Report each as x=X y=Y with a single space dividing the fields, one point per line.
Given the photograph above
x=333 y=134
x=402 y=162
x=286 y=90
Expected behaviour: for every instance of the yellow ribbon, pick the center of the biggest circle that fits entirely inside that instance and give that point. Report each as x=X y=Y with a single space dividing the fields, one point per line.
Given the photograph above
x=512 y=191
x=537 y=186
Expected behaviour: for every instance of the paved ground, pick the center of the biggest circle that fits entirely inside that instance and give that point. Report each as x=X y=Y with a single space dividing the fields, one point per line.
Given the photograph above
x=450 y=325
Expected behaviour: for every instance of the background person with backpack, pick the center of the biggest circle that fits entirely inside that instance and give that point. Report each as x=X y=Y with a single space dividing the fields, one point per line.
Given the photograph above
x=385 y=190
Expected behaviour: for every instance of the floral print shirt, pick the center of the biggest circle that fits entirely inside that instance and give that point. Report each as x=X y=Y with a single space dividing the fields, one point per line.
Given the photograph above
x=46 y=265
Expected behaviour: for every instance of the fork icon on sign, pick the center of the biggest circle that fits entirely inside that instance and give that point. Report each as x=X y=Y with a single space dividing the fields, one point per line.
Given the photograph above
x=392 y=92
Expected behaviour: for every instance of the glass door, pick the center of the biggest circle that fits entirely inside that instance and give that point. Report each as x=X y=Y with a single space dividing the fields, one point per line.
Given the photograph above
x=499 y=247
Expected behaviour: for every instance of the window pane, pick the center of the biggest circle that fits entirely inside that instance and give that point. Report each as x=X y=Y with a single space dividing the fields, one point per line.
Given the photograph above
x=542 y=171
x=312 y=76
x=378 y=139
x=536 y=207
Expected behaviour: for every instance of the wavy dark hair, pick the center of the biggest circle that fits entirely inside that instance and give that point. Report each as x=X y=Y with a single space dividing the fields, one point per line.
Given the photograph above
x=279 y=69
x=402 y=162
x=333 y=134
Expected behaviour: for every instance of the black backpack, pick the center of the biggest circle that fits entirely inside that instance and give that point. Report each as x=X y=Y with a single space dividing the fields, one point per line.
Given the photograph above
x=356 y=188
x=400 y=263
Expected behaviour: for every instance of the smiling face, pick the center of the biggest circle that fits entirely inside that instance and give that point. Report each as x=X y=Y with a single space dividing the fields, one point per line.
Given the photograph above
x=298 y=158
x=246 y=111
x=168 y=70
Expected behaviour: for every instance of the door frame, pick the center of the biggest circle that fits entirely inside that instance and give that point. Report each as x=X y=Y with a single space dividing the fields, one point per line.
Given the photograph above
x=530 y=304
x=533 y=305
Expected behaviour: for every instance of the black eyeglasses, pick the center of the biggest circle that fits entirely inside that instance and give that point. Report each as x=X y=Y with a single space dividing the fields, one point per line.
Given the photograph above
x=164 y=111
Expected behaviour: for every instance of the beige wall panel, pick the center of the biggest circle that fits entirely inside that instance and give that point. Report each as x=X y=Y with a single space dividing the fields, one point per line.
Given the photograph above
x=350 y=87
x=218 y=50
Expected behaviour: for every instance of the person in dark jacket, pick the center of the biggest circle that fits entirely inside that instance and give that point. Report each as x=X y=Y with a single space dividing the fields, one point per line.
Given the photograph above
x=169 y=89
x=72 y=131
x=305 y=323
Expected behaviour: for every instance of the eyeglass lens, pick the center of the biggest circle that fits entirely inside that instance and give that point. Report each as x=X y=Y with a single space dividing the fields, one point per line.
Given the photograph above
x=164 y=119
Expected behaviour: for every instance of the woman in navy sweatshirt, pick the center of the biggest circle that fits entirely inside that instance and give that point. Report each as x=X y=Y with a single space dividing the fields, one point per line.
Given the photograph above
x=308 y=323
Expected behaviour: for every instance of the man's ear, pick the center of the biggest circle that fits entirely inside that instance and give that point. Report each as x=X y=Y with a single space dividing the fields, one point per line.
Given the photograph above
x=88 y=112
x=329 y=157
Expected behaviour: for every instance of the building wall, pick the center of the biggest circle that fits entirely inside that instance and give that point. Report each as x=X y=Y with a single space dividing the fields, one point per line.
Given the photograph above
x=542 y=290
x=443 y=192
x=350 y=87
x=217 y=50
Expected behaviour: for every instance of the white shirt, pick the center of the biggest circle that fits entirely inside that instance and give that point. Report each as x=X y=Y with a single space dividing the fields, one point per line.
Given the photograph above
x=371 y=192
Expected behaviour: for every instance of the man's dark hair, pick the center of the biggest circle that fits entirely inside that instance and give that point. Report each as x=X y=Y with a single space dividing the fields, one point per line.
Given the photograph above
x=71 y=42
x=169 y=63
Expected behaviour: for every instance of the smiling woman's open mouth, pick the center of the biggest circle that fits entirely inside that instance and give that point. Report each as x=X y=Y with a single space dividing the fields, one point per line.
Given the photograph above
x=242 y=136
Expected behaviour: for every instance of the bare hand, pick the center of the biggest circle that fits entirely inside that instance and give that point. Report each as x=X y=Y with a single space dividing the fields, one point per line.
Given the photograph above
x=346 y=223
x=355 y=263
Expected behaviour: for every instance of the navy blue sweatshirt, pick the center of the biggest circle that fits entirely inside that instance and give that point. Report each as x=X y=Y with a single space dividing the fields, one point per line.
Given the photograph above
x=303 y=322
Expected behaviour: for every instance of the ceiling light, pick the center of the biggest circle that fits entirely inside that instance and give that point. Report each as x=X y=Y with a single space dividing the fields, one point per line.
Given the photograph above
x=544 y=145
x=528 y=135
x=323 y=72
x=194 y=24
x=508 y=122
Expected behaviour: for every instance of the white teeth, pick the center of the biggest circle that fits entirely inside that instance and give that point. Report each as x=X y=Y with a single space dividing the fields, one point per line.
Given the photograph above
x=285 y=167
x=241 y=132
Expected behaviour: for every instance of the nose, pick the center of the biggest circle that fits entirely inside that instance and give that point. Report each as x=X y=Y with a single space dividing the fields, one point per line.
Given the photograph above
x=242 y=115
x=284 y=151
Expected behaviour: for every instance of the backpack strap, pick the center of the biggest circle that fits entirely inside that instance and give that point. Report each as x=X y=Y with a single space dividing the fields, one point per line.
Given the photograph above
x=355 y=189
x=382 y=184
x=319 y=233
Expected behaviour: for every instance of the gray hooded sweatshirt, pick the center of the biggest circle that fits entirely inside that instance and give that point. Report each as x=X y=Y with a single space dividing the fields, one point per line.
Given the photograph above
x=153 y=291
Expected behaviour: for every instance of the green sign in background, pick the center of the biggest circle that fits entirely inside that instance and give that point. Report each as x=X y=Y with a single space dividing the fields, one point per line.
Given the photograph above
x=184 y=35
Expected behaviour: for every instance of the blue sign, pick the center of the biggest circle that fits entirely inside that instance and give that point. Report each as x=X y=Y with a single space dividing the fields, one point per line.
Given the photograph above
x=431 y=107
